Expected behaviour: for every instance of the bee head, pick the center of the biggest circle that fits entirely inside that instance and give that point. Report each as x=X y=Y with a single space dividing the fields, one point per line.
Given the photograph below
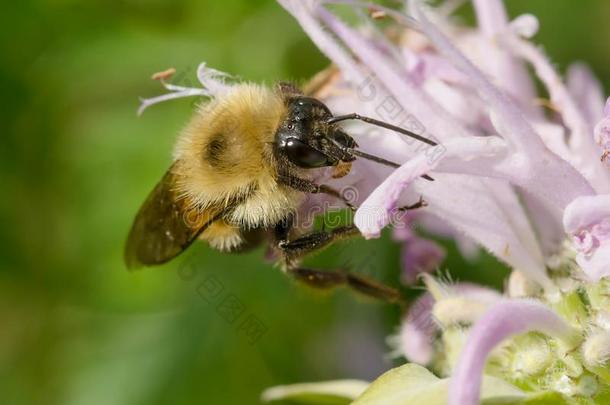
x=307 y=139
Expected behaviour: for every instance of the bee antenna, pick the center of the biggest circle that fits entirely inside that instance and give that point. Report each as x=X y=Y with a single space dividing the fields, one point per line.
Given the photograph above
x=372 y=158
x=382 y=124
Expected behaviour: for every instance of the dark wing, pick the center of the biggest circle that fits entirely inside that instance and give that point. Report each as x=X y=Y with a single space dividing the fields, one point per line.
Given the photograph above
x=317 y=87
x=288 y=89
x=162 y=228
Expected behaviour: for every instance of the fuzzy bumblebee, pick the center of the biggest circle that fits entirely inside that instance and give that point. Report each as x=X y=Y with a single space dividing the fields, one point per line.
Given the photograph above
x=242 y=167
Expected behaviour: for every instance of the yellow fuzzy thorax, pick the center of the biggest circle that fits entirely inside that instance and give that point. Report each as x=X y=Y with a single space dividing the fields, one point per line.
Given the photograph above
x=225 y=158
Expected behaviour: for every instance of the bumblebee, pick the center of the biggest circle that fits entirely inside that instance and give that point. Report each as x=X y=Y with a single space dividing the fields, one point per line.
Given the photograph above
x=242 y=167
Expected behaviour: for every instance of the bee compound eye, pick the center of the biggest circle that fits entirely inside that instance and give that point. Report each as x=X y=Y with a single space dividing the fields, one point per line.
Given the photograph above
x=304 y=155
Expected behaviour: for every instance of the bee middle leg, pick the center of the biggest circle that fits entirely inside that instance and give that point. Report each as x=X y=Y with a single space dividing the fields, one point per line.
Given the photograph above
x=331 y=279
x=292 y=250
x=317 y=240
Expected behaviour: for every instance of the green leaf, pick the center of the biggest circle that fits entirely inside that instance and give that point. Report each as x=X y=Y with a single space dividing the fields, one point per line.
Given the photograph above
x=413 y=384
x=337 y=392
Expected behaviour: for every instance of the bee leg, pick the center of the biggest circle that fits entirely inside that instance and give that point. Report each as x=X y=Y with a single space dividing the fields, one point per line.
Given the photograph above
x=308 y=186
x=311 y=242
x=308 y=243
x=294 y=249
x=331 y=279
x=419 y=204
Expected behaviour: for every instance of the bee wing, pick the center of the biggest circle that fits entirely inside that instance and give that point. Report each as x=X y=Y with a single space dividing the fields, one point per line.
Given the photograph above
x=288 y=89
x=162 y=228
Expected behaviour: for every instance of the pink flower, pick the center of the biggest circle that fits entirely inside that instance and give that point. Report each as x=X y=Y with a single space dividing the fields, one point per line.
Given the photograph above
x=512 y=178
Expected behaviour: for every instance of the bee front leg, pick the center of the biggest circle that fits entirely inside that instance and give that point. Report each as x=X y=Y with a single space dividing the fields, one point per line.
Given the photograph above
x=308 y=186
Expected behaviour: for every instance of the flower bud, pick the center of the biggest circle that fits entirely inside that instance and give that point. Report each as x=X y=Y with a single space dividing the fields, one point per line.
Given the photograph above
x=520 y=286
x=458 y=310
x=532 y=356
x=596 y=349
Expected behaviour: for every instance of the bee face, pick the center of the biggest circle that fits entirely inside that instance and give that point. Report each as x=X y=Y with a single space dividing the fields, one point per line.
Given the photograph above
x=305 y=138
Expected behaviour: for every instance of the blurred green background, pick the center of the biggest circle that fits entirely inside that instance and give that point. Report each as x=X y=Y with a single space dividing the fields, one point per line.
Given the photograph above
x=75 y=326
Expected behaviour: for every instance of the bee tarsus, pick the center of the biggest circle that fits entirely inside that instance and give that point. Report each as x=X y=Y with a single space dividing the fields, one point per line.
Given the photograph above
x=421 y=203
x=332 y=279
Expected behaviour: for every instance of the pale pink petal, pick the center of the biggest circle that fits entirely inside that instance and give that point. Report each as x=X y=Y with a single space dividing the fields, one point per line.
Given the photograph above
x=597 y=264
x=467 y=247
x=581 y=141
x=402 y=229
x=437 y=67
x=586 y=90
x=377 y=210
x=459 y=102
x=508 y=71
x=503 y=320
x=491 y=217
x=586 y=211
x=417 y=333
x=546 y=219
x=415 y=66
x=554 y=137
x=491 y=16
x=525 y=25
x=394 y=78
x=587 y=220
x=548 y=75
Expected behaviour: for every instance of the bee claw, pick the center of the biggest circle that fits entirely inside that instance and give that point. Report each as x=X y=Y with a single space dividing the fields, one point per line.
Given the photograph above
x=421 y=203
